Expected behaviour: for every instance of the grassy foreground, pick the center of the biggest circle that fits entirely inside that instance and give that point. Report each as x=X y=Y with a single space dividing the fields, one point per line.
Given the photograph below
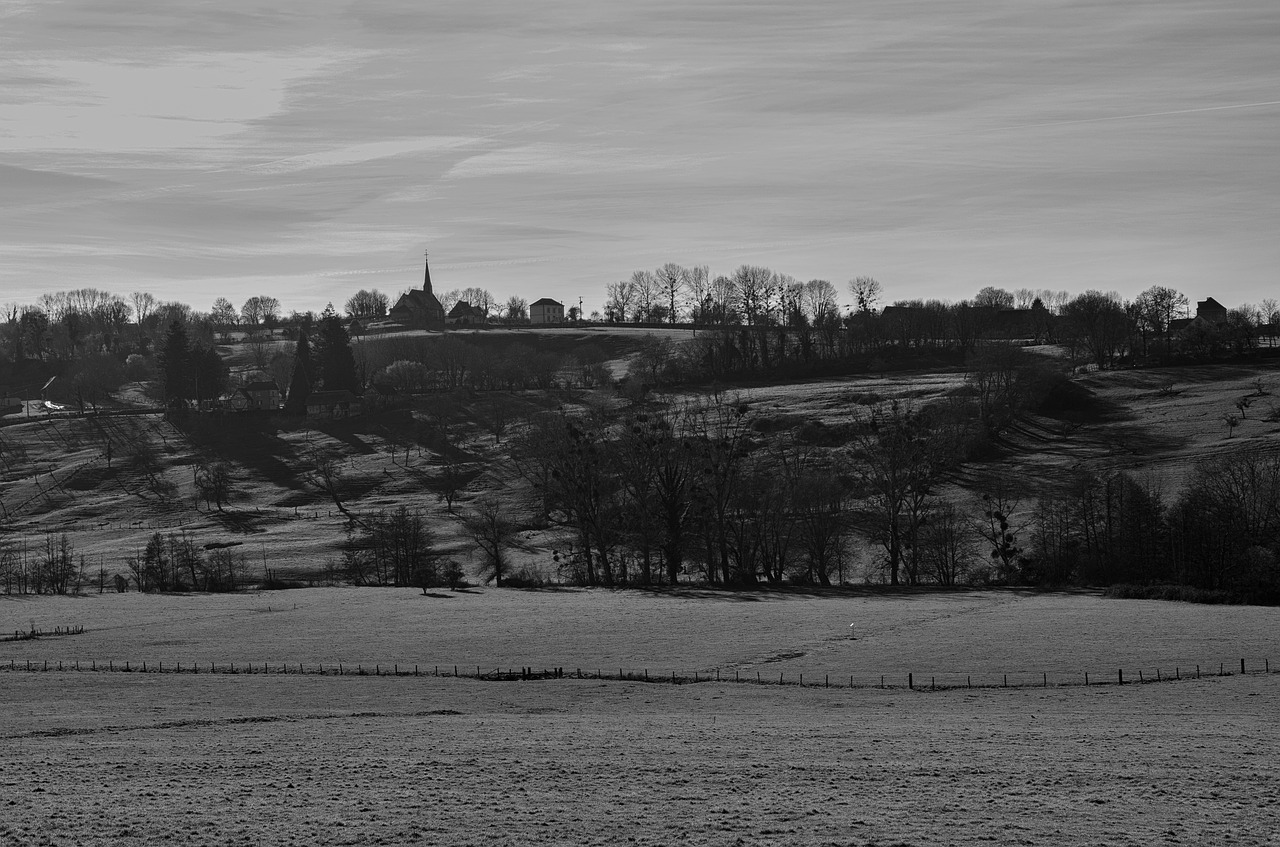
x=160 y=759
x=149 y=760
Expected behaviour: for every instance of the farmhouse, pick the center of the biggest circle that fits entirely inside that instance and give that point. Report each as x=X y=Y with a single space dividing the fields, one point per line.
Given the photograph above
x=333 y=404
x=420 y=308
x=546 y=311
x=261 y=394
x=1209 y=313
x=463 y=313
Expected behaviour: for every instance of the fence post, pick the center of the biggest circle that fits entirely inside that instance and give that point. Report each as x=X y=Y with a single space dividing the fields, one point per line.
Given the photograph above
x=1120 y=675
x=1086 y=677
x=1046 y=679
x=910 y=682
x=968 y=682
x=1242 y=666
x=1005 y=684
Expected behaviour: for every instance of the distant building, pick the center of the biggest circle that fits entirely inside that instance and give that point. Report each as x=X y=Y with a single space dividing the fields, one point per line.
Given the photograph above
x=261 y=395
x=1209 y=313
x=419 y=308
x=1212 y=311
x=333 y=404
x=464 y=314
x=546 y=311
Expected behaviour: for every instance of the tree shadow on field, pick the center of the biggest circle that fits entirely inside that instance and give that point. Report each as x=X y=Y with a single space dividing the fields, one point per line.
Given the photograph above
x=756 y=594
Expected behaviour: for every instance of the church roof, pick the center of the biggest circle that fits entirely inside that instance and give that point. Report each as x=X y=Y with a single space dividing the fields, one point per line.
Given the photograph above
x=417 y=300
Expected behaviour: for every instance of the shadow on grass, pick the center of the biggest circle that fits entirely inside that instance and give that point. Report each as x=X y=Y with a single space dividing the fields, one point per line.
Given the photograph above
x=755 y=594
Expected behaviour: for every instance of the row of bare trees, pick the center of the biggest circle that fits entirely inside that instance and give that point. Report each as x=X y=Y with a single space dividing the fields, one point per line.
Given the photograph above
x=666 y=490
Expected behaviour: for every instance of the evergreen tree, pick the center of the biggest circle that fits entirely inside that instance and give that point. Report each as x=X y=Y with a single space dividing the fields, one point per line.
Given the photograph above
x=175 y=367
x=300 y=380
x=335 y=363
x=211 y=374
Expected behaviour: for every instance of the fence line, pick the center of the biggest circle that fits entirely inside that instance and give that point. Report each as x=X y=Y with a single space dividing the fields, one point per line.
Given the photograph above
x=900 y=681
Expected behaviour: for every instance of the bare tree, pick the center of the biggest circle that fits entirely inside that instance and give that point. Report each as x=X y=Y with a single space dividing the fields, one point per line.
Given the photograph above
x=326 y=475
x=367 y=304
x=517 y=309
x=143 y=304
x=755 y=289
x=493 y=532
x=866 y=293
x=896 y=461
x=214 y=482
x=674 y=281
x=993 y=298
x=619 y=299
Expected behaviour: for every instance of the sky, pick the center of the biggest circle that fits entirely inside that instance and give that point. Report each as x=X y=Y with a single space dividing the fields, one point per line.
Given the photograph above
x=546 y=149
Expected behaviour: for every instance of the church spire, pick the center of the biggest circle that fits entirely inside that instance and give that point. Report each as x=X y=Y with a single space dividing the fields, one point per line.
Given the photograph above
x=426 y=284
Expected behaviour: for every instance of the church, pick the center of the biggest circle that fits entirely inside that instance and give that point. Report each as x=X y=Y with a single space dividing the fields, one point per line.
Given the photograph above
x=419 y=308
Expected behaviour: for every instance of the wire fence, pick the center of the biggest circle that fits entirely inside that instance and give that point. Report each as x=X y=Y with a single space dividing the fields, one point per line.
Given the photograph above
x=901 y=680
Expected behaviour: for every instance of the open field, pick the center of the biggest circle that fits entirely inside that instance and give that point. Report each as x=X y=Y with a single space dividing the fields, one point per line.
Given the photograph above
x=138 y=759
x=982 y=634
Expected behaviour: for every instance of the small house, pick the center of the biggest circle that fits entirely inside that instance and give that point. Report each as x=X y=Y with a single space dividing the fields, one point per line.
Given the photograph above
x=261 y=394
x=464 y=314
x=333 y=404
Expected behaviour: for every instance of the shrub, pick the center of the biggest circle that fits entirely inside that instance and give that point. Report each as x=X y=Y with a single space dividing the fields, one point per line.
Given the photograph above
x=524 y=578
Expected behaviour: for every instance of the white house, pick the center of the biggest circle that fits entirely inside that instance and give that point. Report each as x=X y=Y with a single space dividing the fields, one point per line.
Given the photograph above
x=546 y=311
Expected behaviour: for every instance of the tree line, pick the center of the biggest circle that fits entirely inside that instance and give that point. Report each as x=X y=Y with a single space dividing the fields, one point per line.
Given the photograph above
x=662 y=492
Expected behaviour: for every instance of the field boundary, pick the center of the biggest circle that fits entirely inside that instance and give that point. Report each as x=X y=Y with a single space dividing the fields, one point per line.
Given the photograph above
x=899 y=681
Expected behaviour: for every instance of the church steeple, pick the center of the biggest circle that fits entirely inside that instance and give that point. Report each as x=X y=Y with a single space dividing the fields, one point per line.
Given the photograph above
x=426 y=284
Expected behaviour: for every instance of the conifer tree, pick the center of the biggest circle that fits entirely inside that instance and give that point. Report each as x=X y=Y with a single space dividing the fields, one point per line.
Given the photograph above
x=300 y=380
x=335 y=363
x=174 y=359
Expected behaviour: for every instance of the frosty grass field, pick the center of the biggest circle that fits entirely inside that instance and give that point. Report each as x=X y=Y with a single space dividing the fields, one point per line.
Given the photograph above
x=130 y=758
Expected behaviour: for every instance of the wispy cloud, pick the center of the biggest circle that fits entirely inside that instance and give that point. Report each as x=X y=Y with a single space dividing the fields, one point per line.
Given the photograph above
x=357 y=153
x=157 y=102
x=562 y=159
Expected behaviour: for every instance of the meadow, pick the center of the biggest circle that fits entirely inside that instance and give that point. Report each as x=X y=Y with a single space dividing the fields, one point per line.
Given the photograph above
x=132 y=758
